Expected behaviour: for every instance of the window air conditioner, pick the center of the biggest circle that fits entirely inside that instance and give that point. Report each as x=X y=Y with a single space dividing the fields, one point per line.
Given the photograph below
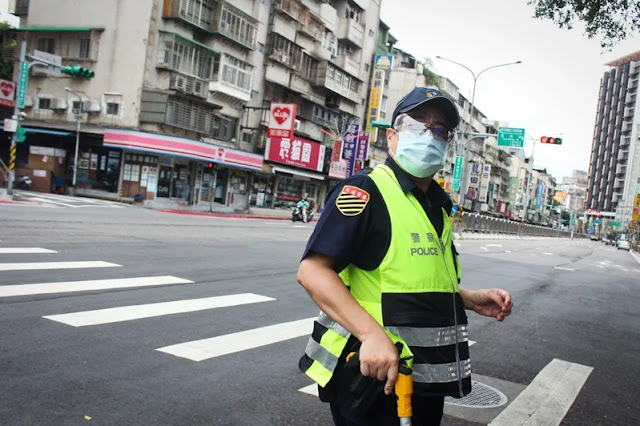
x=178 y=82
x=28 y=101
x=57 y=104
x=91 y=105
x=296 y=125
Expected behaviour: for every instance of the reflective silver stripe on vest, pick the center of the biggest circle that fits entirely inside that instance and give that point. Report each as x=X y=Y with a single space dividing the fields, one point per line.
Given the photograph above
x=440 y=373
x=316 y=352
x=431 y=337
x=325 y=320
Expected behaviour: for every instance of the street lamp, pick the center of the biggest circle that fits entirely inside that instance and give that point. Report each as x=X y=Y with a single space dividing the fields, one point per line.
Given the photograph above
x=469 y=131
x=78 y=116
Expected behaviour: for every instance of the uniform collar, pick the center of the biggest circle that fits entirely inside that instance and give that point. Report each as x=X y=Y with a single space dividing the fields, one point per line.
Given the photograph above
x=435 y=194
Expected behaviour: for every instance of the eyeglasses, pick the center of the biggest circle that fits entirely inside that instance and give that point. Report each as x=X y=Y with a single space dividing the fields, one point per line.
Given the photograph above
x=404 y=122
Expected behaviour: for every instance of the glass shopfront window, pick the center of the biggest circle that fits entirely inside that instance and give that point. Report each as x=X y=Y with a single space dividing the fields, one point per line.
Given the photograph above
x=289 y=192
x=262 y=191
x=99 y=168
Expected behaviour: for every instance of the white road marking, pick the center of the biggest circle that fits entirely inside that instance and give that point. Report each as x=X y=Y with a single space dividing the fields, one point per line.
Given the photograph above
x=549 y=396
x=484 y=248
x=24 y=250
x=70 y=286
x=494 y=245
x=507 y=251
x=563 y=268
x=548 y=254
x=199 y=350
x=47 y=201
x=33 y=266
x=128 y=313
x=312 y=389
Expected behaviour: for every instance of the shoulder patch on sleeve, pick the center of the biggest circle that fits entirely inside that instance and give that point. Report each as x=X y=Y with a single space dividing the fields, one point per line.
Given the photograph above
x=352 y=200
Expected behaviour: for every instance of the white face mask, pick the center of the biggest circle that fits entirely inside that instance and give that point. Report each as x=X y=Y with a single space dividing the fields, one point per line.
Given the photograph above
x=420 y=153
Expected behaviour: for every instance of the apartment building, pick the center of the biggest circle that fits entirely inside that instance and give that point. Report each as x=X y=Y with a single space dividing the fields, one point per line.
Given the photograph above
x=575 y=187
x=614 y=168
x=177 y=109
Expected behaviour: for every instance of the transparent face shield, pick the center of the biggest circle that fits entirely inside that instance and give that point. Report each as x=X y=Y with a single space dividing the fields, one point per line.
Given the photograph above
x=405 y=123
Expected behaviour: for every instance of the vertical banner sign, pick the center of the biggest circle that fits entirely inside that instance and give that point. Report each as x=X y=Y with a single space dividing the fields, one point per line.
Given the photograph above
x=474 y=181
x=350 y=145
x=514 y=183
x=375 y=98
x=362 y=151
x=7 y=93
x=539 y=195
x=484 y=183
x=22 y=83
x=635 y=216
x=457 y=173
x=336 y=154
x=281 y=120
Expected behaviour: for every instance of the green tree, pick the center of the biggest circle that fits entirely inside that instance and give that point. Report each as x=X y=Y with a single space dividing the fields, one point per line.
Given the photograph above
x=431 y=78
x=614 y=20
x=8 y=44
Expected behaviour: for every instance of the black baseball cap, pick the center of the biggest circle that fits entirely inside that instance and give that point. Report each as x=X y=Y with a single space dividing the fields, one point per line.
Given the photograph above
x=422 y=95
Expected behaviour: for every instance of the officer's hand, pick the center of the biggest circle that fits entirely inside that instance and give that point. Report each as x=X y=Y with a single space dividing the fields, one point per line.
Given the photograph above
x=379 y=358
x=493 y=302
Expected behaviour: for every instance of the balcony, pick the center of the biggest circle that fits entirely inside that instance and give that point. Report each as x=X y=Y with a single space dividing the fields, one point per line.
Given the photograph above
x=338 y=82
x=621 y=170
x=349 y=31
x=347 y=64
x=289 y=9
x=173 y=48
x=196 y=12
x=21 y=8
x=235 y=25
x=234 y=80
x=188 y=84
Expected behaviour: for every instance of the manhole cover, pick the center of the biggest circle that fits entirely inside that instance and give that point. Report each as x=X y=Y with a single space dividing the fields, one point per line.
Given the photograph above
x=481 y=396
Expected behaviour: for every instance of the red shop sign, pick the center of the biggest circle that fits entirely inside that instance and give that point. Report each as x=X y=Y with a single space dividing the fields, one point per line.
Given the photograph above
x=297 y=152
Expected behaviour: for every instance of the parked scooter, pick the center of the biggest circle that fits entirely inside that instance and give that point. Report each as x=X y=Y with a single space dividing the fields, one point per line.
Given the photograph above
x=23 y=182
x=297 y=215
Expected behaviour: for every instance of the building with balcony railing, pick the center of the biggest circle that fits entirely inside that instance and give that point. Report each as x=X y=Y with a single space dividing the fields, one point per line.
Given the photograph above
x=614 y=168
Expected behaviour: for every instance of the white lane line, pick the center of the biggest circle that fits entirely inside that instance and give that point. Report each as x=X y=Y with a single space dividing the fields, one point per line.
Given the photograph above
x=199 y=350
x=24 y=250
x=563 y=268
x=548 y=254
x=549 y=396
x=70 y=286
x=312 y=389
x=494 y=245
x=134 y=312
x=33 y=266
x=47 y=201
x=507 y=251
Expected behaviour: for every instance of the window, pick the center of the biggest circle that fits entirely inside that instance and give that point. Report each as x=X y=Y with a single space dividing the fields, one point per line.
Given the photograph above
x=184 y=55
x=371 y=33
x=44 y=103
x=85 y=48
x=309 y=67
x=235 y=25
x=47 y=45
x=113 y=108
x=236 y=73
x=75 y=106
x=383 y=104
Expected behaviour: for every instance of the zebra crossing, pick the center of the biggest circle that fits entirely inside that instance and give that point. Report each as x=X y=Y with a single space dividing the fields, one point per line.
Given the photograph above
x=39 y=199
x=573 y=376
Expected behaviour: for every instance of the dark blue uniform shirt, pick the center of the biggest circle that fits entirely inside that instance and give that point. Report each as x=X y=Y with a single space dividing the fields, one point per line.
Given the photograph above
x=364 y=239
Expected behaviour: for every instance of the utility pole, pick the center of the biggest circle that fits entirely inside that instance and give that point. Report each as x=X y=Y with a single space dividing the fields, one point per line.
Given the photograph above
x=525 y=198
x=21 y=89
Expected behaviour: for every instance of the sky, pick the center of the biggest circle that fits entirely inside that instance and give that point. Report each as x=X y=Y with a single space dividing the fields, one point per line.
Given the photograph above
x=554 y=92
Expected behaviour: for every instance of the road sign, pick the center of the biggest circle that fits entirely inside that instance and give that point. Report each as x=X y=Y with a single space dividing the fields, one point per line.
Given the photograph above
x=47 y=57
x=615 y=224
x=511 y=136
x=10 y=125
x=457 y=173
x=22 y=85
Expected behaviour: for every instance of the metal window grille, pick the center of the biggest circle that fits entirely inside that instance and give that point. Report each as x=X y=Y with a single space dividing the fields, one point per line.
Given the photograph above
x=67 y=44
x=85 y=48
x=46 y=45
x=197 y=12
x=184 y=56
x=285 y=51
x=235 y=25
x=44 y=103
x=236 y=73
x=113 y=108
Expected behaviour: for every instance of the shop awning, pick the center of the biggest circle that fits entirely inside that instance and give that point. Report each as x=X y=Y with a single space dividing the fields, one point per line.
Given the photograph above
x=47 y=131
x=298 y=172
x=181 y=147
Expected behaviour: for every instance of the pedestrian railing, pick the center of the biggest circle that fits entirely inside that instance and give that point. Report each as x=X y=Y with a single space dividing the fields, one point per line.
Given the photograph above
x=475 y=222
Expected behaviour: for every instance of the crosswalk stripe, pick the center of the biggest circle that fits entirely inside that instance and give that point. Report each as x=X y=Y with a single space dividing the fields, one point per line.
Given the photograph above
x=33 y=266
x=24 y=250
x=128 y=313
x=48 y=201
x=549 y=396
x=199 y=350
x=70 y=286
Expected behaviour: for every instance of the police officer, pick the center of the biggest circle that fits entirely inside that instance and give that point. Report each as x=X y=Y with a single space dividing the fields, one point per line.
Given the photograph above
x=382 y=267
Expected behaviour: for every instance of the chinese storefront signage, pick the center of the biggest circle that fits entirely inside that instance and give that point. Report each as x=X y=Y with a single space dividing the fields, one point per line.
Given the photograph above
x=338 y=169
x=281 y=120
x=297 y=152
x=7 y=93
x=375 y=98
x=336 y=154
x=474 y=181
x=484 y=183
x=350 y=145
x=539 y=195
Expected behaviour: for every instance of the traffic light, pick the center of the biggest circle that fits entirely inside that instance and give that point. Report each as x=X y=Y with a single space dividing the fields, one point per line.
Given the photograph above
x=77 y=71
x=21 y=134
x=551 y=140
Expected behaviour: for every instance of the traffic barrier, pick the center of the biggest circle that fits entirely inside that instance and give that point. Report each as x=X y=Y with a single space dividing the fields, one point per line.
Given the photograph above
x=476 y=222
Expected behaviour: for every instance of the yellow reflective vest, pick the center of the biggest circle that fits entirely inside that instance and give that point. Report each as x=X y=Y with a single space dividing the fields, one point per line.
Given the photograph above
x=413 y=295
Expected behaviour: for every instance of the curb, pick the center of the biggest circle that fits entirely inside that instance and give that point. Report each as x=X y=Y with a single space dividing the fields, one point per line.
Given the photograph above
x=635 y=255
x=226 y=215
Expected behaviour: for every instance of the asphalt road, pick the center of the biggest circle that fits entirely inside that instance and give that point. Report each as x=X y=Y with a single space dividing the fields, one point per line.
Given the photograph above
x=115 y=371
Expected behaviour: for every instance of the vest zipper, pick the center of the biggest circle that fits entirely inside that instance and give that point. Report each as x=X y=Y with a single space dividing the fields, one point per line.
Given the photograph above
x=455 y=317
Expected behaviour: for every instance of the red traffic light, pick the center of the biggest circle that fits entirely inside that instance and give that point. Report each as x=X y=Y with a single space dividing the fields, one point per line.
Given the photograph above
x=551 y=140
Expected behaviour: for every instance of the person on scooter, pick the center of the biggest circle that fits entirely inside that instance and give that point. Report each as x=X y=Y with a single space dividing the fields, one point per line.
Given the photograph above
x=303 y=205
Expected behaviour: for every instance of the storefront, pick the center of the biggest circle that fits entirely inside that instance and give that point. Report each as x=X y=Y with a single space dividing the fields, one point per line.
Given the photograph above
x=302 y=175
x=186 y=171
